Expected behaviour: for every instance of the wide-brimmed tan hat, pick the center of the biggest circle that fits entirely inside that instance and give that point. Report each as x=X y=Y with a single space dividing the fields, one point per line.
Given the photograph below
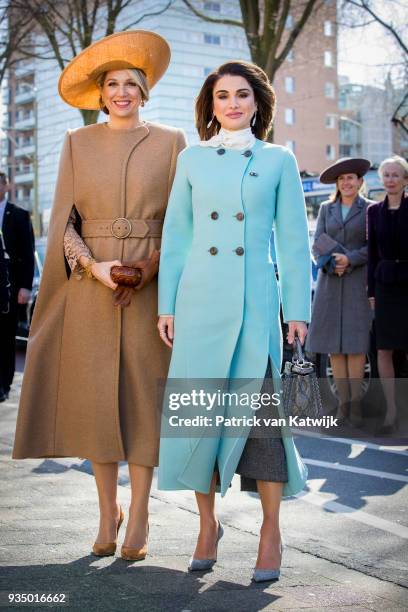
x=345 y=165
x=140 y=49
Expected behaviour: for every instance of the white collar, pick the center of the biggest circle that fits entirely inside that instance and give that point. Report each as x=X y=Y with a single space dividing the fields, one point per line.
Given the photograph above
x=236 y=139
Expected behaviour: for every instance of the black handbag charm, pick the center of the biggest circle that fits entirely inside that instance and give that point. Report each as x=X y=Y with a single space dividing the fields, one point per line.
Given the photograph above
x=300 y=387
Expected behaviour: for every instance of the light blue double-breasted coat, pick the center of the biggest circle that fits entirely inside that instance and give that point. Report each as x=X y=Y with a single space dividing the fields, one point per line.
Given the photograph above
x=226 y=302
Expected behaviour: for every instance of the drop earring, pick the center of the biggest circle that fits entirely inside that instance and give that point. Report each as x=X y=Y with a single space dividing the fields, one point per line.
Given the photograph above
x=253 y=120
x=210 y=122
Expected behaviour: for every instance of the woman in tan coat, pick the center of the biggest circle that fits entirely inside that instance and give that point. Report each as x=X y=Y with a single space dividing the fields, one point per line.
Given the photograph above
x=93 y=357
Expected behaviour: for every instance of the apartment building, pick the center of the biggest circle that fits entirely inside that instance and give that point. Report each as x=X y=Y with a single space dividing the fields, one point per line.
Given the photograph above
x=306 y=86
x=366 y=126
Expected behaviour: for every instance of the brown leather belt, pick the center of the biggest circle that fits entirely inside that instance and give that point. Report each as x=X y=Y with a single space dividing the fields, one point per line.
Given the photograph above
x=122 y=228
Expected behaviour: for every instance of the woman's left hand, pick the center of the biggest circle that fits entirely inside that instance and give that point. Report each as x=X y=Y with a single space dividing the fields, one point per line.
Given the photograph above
x=297 y=328
x=166 y=329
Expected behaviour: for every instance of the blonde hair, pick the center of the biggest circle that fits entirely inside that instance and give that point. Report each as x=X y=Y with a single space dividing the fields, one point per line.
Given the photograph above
x=140 y=79
x=394 y=159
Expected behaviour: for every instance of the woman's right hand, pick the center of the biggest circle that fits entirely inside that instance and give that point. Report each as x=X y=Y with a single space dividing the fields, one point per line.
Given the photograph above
x=101 y=271
x=166 y=329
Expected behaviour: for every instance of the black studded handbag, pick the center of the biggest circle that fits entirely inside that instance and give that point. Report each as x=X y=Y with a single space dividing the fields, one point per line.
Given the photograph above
x=300 y=387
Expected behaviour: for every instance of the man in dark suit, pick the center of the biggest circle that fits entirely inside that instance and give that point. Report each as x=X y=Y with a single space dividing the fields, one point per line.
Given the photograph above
x=4 y=277
x=19 y=244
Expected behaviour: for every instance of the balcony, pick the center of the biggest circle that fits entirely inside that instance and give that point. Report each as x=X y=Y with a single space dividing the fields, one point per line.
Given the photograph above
x=26 y=123
x=24 y=70
x=24 y=95
x=23 y=177
x=25 y=151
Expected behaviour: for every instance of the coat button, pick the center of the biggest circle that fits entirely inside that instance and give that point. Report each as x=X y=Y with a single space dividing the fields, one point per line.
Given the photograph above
x=239 y=251
x=240 y=216
x=214 y=215
x=247 y=153
x=253 y=174
x=213 y=250
x=220 y=151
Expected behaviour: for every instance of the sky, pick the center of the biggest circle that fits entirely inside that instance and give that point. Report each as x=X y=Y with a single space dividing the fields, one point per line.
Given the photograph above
x=367 y=54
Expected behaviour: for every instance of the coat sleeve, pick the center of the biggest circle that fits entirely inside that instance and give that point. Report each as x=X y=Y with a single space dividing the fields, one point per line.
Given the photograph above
x=176 y=238
x=320 y=227
x=292 y=244
x=357 y=257
x=373 y=257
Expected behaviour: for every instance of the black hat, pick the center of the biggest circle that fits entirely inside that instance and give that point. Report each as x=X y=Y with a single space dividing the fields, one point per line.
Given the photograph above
x=345 y=165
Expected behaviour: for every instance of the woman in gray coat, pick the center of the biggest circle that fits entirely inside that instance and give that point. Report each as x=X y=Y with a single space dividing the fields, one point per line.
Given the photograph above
x=340 y=322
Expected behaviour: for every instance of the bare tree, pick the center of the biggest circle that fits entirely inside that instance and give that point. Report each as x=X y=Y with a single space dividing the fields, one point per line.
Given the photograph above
x=397 y=28
x=264 y=22
x=65 y=27
x=370 y=10
x=13 y=33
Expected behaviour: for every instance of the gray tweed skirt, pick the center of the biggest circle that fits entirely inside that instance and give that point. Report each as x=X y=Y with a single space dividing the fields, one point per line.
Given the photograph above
x=263 y=458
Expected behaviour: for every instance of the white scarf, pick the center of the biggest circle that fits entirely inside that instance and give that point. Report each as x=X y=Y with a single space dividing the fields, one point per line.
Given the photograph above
x=231 y=139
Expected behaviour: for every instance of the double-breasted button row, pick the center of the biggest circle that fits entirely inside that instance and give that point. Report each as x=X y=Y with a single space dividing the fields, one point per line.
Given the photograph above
x=213 y=250
x=239 y=216
x=246 y=153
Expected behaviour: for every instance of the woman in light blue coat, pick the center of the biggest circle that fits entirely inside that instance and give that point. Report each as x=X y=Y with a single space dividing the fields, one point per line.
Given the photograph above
x=219 y=299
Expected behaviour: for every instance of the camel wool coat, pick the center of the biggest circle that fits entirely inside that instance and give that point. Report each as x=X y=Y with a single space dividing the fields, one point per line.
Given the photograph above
x=90 y=382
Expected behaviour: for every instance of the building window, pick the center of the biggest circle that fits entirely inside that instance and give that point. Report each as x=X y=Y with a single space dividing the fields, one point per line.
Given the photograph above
x=289 y=84
x=289 y=22
x=330 y=152
x=328 y=59
x=289 y=116
x=328 y=28
x=212 y=39
x=345 y=151
x=291 y=144
x=290 y=56
x=331 y=122
x=212 y=6
x=329 y=90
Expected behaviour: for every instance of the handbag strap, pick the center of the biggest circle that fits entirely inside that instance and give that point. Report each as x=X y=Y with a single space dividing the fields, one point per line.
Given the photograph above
x=299 y=364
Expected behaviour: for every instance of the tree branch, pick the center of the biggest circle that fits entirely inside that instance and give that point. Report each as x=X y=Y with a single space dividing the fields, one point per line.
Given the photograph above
x=388 y=26
x=197 y=13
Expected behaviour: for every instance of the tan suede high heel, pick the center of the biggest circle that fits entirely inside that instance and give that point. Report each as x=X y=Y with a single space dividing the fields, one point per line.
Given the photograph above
x=135 y=554
x=107 y=550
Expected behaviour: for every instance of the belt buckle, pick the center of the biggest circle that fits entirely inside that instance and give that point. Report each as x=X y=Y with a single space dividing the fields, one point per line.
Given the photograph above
x=121 y=228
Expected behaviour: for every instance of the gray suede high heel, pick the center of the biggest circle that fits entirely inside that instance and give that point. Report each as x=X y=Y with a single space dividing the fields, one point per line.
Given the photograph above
x=267 y=575
x=201 y=565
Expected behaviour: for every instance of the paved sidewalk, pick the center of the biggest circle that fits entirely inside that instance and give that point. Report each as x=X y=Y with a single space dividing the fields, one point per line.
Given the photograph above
x=48 y=519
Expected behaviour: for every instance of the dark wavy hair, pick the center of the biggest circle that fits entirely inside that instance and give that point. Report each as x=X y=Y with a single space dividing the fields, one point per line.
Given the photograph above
x=263 y=92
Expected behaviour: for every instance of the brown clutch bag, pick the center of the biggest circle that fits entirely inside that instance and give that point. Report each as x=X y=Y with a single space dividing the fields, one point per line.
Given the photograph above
x=126 y=276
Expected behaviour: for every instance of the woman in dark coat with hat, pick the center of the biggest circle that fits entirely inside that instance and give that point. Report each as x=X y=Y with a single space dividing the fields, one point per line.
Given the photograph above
x=340 y=322
x=388 y=276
